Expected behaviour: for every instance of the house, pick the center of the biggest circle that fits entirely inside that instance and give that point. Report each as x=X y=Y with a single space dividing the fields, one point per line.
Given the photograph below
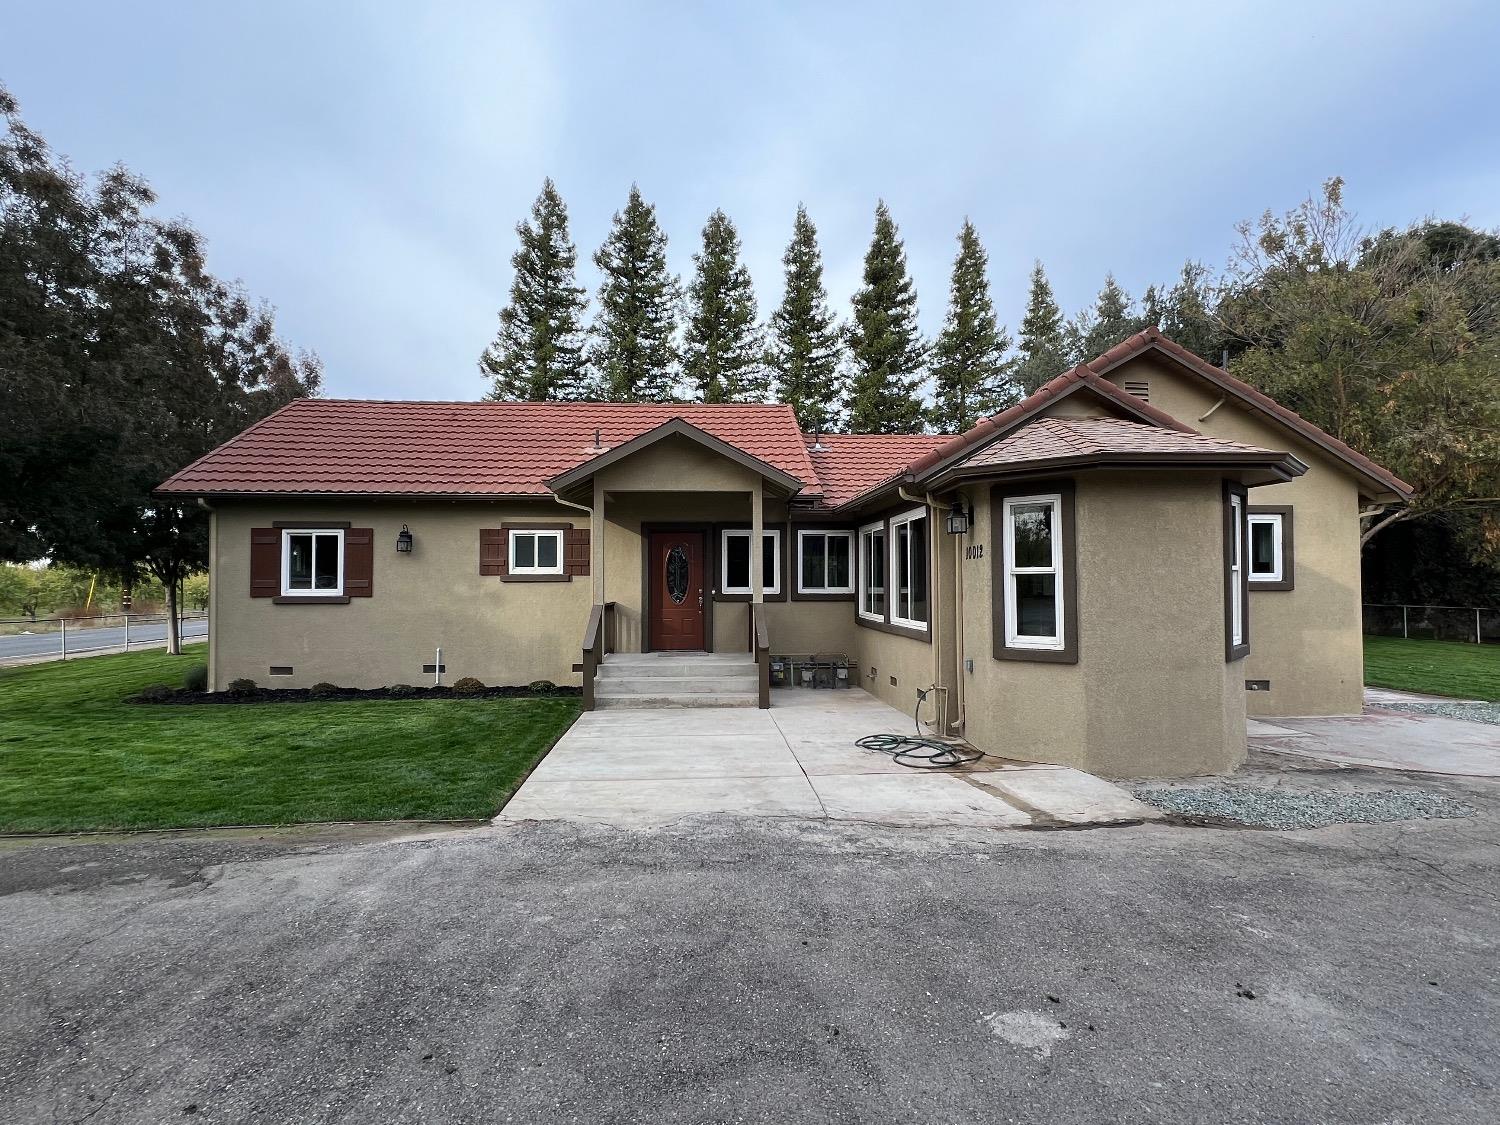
x=1109 y=575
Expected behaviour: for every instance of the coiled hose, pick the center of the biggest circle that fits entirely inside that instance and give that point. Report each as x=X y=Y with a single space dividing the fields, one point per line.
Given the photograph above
x=920 y=752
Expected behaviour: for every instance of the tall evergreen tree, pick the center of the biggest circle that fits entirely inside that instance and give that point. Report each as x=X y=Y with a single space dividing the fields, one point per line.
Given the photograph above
x=635 y=336
x=1044 y=343
x=1111 y=320
x=968 y=361
x=805 y=344
x=722 y=352
x=885 y=344
x=539 y=351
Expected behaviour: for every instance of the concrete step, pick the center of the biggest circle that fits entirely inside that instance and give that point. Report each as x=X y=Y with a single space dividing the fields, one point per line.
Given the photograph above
x=675 y=685
x=687 y=670
x=691 y=699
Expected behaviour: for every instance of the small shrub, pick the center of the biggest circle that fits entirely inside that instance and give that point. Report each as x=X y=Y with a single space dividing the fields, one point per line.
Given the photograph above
x=467 y=685
x=541 y=687
x=156 y=693
x=196 y=678
x=242 y=686
x=323 y=690
x=401 y=691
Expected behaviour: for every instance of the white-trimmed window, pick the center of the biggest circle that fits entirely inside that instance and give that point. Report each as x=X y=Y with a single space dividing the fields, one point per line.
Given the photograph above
x=908 y=569
x=872 y=557
x=825 y=563
x=312 y=562
x=1033 y=560
x=536 y=552
x=1267 y=547
x=734 y=561
x=1236 y=566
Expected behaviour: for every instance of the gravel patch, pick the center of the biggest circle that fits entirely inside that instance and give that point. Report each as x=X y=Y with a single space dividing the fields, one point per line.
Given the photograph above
x=1474 y=712
x=1273 y=808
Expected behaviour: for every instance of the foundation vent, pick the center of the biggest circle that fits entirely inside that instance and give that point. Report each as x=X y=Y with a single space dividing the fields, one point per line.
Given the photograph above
x=1141 y=390
x=281 y=670
x=432 y=669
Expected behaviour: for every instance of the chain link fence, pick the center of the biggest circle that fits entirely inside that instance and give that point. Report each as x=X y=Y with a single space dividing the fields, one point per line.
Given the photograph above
x=24 y=640
x=1471 y=624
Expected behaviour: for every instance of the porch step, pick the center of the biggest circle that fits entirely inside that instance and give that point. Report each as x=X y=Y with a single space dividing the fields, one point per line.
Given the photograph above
x=677 y=679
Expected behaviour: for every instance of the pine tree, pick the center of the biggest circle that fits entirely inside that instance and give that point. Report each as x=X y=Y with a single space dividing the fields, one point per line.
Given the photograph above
x=1110 y=321
x=1044 y=344
x=806 y=346
x=539 y=351
x=721 y=352
x=635 y=347
x=969 y=368
x=886 y=347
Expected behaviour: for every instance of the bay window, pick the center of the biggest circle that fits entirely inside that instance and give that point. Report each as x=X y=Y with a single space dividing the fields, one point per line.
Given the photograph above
x=908 y=569
x=825 y=565
x=872 y=571
x=1236 y=576
x=1032 y=571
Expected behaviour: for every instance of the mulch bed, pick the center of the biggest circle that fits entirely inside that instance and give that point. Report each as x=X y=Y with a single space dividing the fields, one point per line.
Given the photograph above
x=305 y=695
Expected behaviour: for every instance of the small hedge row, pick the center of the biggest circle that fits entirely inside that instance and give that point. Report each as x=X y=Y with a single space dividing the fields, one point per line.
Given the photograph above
x=195 y=683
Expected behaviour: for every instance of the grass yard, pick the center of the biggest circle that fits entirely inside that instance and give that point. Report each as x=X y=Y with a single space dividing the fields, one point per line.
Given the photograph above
x=74 y=755
x=1433 y=667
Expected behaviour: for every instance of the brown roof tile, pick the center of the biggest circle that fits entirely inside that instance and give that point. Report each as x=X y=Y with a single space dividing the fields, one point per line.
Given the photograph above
x=1047 y=439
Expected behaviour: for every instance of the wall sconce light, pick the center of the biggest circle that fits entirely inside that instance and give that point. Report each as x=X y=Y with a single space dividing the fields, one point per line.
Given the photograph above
x=958 y=519
x=403 y=541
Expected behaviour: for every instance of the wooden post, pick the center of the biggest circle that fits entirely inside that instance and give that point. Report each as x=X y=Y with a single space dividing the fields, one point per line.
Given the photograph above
x=596 y=542
x=757 y=552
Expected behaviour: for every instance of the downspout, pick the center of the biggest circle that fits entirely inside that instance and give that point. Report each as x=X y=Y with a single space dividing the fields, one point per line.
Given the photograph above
x=213 y=593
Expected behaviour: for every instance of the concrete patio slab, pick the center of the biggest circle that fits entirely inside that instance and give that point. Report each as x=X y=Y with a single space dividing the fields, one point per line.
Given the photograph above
x=644 y=767
x=1067 y=795
x=1259 y=728
x=1392 y=740
x=915 y=799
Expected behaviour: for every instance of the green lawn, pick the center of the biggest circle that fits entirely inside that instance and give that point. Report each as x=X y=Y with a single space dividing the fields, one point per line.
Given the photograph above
x=73 y=755
x=1434 y=667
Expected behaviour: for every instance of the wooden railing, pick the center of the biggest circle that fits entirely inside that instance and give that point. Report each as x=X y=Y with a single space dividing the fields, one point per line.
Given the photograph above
x=760 y=644
x=598 y=642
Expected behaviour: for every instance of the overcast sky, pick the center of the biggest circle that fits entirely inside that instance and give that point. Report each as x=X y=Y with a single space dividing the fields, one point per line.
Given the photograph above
x=363 y=166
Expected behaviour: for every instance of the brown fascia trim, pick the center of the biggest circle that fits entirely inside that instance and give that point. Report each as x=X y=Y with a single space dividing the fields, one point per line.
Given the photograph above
x=885 y=624
x=1232 y=651
x=312 y=525
x=1284 y=466
x=1288 y=555
x=282 y=599
x=1067 y=581
x=1153 y=340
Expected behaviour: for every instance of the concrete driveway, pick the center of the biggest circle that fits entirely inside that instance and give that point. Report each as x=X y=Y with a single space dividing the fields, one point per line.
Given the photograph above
x=797 y=759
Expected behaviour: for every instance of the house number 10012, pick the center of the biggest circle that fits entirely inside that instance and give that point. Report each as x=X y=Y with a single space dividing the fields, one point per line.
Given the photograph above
x=974 y=551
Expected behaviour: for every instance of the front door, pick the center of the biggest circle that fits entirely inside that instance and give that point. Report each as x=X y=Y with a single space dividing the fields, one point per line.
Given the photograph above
x=677 y=588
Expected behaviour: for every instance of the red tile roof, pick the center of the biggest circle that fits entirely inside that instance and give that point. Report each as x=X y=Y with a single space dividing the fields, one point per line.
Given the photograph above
x=850 y=464
x=1047 y=439
x=358 y=447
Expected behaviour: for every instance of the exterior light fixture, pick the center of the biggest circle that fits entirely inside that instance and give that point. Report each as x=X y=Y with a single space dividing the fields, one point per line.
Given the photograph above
x=958 y=520
x=403 y=541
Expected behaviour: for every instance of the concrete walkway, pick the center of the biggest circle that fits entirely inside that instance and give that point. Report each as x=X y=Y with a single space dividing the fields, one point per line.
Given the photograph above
x=797 y=759
x=1386 y=739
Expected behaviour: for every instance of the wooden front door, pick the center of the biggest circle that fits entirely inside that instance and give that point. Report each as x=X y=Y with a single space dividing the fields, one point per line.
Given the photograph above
x=677 y=588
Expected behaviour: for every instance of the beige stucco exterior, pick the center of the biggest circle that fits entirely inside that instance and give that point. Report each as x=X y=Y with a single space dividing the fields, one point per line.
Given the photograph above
x=1306 y=641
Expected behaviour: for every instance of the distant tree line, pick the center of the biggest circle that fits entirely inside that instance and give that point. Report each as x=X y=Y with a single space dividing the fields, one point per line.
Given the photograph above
x=122 y=359
x=1388 y=340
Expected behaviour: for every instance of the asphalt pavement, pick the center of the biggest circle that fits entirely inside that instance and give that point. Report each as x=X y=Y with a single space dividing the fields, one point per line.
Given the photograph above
x=790 y=970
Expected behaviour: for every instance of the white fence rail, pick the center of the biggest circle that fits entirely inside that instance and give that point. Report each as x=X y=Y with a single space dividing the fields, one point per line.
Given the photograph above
x=1473 y=624
x=26 y=641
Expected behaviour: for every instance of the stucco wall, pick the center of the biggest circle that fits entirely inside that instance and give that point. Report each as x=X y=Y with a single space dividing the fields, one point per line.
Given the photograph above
x=501 y=632
x=1306 y=641
x=1151 y=694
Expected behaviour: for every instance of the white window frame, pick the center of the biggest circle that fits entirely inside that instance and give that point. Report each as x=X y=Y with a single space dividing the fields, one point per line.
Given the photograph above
x=893 y=595
x=1278 y=548
x=825 y=535
x=861 y=582
x=1237 y=563
x=771 y=585
x=1014 y=638
x=286 y=563
x=537 y=533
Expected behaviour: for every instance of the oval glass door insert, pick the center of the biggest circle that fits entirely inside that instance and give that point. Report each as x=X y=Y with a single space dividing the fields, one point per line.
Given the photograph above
x=678 y=574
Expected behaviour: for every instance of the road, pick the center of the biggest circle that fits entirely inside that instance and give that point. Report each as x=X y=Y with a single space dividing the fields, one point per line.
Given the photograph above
x=35 y=646
x=785 y=972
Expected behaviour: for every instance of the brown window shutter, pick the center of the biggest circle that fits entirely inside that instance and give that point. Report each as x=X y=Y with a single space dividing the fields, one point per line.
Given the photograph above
x=494 y=556
x=265 y=562
x=576 y=551
x=359 y=562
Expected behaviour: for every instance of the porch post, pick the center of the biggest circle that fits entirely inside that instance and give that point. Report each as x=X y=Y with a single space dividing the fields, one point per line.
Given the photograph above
x=757 y=552
x=596 y=542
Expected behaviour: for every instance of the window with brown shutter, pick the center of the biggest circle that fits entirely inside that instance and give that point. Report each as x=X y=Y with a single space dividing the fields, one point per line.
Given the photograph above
x=359 y=562
x=493 y=557
x=265 y=562
x=495 y=551
x=576 y=557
